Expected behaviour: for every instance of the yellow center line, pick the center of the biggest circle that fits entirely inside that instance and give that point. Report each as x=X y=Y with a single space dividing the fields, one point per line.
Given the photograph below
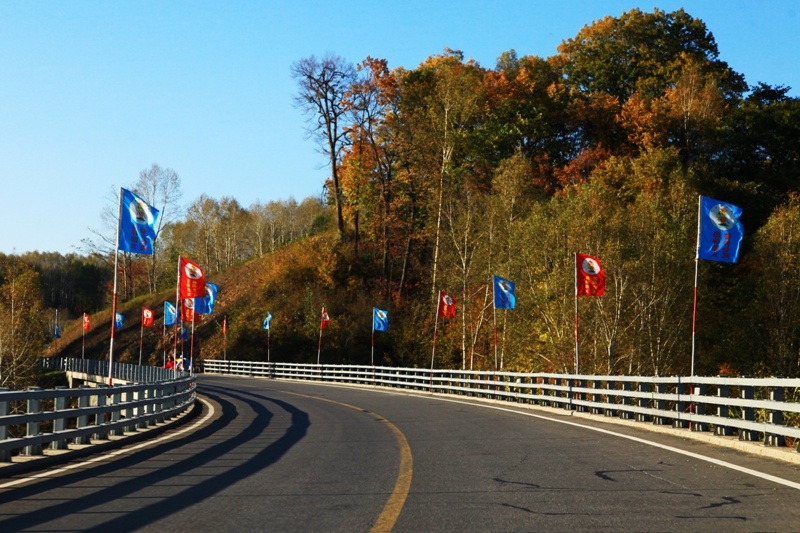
x=394 y=505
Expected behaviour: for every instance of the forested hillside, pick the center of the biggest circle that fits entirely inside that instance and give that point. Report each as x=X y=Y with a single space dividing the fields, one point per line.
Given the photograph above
x=449 y=173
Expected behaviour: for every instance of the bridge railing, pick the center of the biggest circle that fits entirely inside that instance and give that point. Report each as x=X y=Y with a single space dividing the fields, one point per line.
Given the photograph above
x=754 y=409
x=33 y=419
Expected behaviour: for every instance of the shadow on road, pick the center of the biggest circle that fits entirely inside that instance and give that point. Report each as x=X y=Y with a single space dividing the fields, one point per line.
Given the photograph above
x=141 y=517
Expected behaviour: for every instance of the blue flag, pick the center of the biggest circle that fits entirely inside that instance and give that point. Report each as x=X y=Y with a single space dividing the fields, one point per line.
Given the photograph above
x=380 y=319
x=118 y=320
x=57 y=332
x=720 y=231
x=170 y=314
x=137 y=224
x=205 y=305
x=267 y=320
x=504 y=294
x=184 y=333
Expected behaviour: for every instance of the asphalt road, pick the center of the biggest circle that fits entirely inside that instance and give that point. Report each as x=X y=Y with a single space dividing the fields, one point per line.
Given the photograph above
x=270 y=455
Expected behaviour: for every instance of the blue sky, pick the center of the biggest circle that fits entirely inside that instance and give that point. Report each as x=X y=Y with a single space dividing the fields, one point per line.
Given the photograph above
x=93 y=92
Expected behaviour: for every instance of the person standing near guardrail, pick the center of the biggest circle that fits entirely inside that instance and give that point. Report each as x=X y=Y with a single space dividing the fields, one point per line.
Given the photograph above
x=170 y=364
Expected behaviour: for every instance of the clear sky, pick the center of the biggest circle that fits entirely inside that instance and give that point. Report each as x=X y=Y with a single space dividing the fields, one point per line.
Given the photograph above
x=93 y=92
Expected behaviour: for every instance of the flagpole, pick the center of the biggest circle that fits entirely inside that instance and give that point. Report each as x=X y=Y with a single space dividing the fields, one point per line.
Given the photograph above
x=268 y=345
x=696 y=268
x=164 y=335
x=141 y=336
x=435 y=325
x=319 y=345
x=373 y=339
x=225 y=339
x=55 y=330
x=575 y=271
x=191 y=347
x=177 y=312
x=83 y=336
x=114 y=293
x=494 y=319
x=177 y=318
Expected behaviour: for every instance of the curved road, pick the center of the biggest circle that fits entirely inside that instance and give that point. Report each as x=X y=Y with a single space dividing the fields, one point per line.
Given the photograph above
x=270 y=455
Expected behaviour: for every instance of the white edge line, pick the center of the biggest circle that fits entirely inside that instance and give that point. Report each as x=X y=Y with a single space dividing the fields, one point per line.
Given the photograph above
x=697 y=456
x=122 y=451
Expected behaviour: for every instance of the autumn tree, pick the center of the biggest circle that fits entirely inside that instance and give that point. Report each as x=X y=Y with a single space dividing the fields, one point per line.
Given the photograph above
x=442 y=106
x=22 y=328
x=527 y=114
x=373 y=104
x=640 y=67
x=323 y=84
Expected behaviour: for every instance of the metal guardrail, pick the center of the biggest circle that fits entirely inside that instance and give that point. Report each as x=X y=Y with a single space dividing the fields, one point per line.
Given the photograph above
x=754 y=409
x=121 y=372
x=36 y=417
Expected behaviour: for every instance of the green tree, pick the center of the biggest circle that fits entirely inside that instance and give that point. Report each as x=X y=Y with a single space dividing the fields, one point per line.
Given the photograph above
x=640 y=52
x=776 y=306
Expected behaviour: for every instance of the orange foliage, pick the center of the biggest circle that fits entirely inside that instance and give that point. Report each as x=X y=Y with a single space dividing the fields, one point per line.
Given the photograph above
x=581 y=167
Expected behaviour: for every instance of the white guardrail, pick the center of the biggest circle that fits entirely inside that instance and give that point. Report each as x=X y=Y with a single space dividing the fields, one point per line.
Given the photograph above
x=755 y=409
x=140 y=397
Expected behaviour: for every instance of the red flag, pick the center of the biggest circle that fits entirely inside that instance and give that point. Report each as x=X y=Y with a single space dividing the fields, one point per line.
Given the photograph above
x=324 y=320
x=225 y=325
x=187 y=310
x=86 y=323
x=591 y=279
x=192 y=281
x=147 y=317
x=447 y=305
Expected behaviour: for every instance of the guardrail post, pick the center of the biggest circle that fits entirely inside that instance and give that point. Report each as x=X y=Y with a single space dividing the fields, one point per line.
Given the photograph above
x=59 y=404
x=625 y=401
x=32 y=428
x=5 y=455
x=569 y=394
x=699 y=408
x=775 y=417
x=643 y=402
x=141 y=410
x=160 y=405
x=100 y=418
x=609 y=409
x=151 y=405
x=596 y=398
x=748 y=413
x=83 y=420
x=581 y=396
x=659 y=404
x=130 y=412
x=542 y=391
x=680 y=406
x=115 y=414
x=723 y=391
